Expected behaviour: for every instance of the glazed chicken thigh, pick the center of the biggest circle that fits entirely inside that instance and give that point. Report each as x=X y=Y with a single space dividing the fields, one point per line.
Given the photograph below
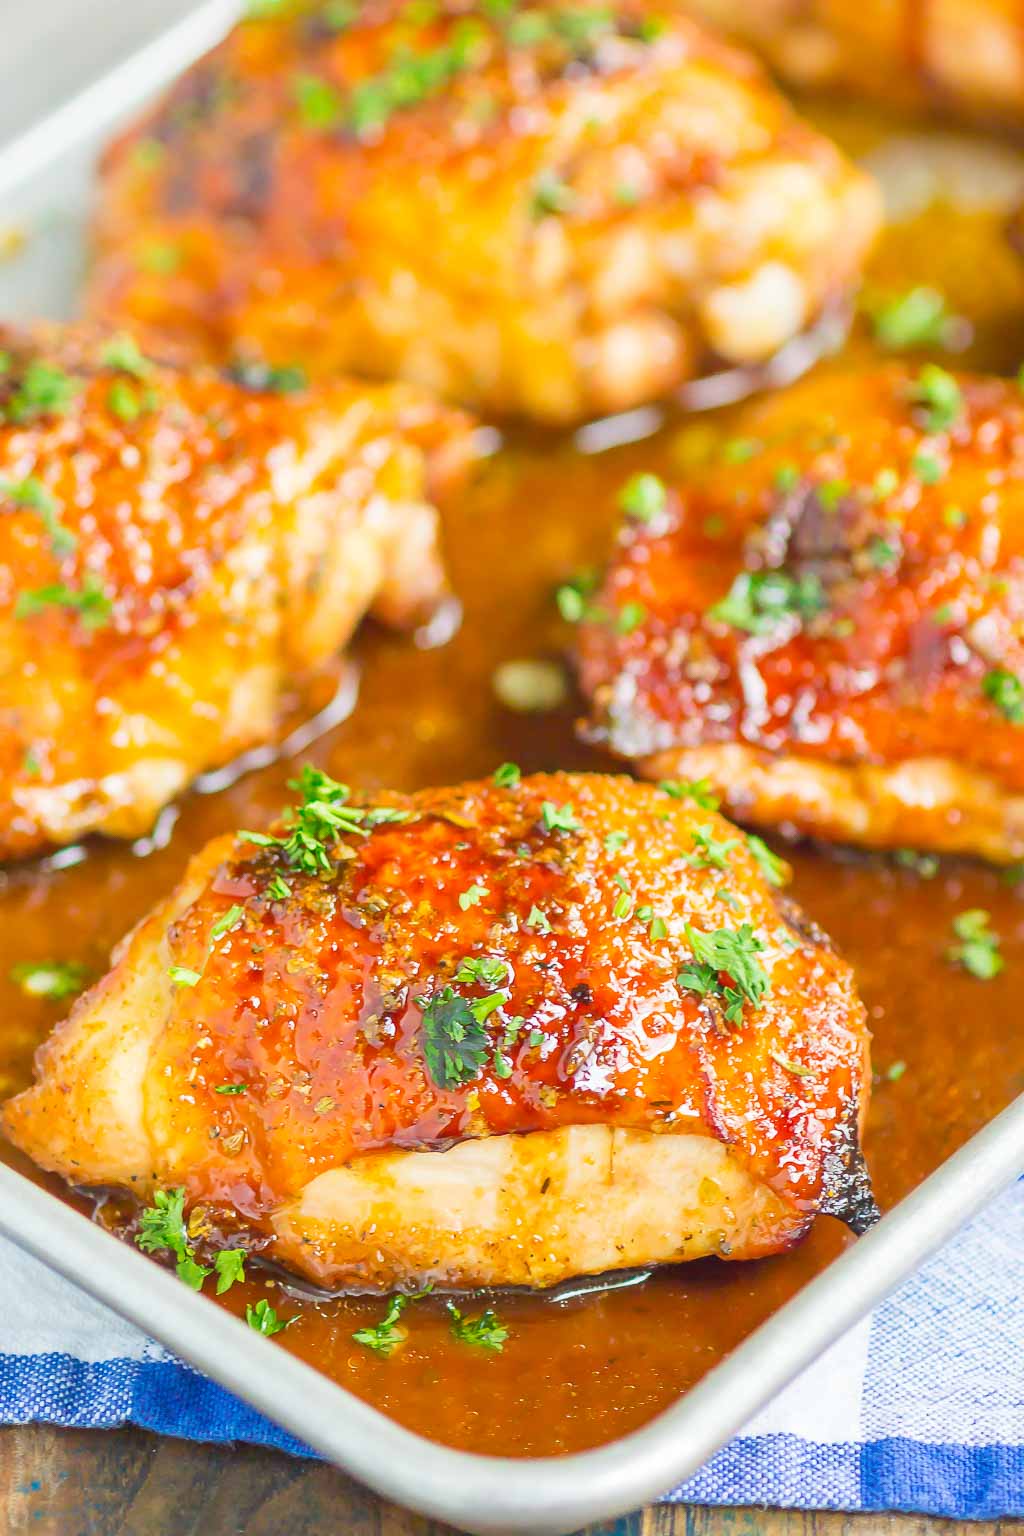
x=498 y=1034
x=553 y=211
x=826 y=615
x=953 y=56
x=176 y=553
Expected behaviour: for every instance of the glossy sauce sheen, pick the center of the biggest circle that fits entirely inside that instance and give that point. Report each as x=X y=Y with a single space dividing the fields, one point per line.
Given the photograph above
x=579 y=1372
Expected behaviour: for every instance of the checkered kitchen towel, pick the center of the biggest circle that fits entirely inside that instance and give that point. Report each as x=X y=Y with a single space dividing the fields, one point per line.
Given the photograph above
x=919 y=1408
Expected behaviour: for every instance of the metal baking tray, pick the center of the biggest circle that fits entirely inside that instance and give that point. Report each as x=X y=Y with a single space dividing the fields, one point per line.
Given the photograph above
x=46 y=167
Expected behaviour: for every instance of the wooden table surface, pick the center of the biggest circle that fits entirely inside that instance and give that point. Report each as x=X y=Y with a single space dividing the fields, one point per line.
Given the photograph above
x=70 y=1482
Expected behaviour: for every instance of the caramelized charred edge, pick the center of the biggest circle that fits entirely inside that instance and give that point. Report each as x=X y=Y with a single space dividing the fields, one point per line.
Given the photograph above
x=846 y=1183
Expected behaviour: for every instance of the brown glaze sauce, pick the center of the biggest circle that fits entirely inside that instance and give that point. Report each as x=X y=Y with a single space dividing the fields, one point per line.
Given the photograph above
x=577 y=1373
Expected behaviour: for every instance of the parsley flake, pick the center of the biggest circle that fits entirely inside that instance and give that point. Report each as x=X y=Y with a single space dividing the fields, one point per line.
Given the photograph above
x=53 y=979
x=385 y=1337
x=472 y=897
x=507 y=776
x=938 y=398
x=33 y=495
x=1006 y=691
x=89 y=601
x=732 y=952
x=643 y=498
x=537 y=921
x=978 y=948
x=454 y=1038
x=483 y=1332
x=229 y=1265
x=774 y=869
x=162 y=1230
x=558 y=818
x=697 y=790
x=263 y=1319
x=759 y=601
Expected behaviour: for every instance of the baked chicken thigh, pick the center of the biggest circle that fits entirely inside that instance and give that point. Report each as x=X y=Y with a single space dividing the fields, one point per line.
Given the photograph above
x=826 y=615
x=954 y=56
x=176 y=552
x=554 y=210
x=499 y=1034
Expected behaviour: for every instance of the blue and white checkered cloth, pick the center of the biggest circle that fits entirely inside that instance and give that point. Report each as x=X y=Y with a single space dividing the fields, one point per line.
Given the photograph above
x=919 y=1408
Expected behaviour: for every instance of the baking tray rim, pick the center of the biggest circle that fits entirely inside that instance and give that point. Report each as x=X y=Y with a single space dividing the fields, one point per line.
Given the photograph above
x=488 y=1495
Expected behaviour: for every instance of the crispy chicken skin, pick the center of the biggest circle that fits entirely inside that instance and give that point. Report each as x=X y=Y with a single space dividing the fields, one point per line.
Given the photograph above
x=463 y=1050
x=830 y=615
x=175 y=553
x=964 y=57
x=553 y=212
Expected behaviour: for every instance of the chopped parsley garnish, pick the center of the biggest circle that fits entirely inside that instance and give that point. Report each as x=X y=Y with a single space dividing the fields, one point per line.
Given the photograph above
x=454 y=1037
x=472 y=897
x=758 y=601
x=572 y=598
x=162 y=1230
x=643 y=498
x=507 y=776
x=227 y=920
x=485 y=970
x=896 y=1071
x=711 y=852
x=52 y=979
x=740 y=450
x=884 y=554
x=323 y=817
x=231 y=1089
x=700 y=791
x=33 y=495
x=320 y=104
x=160 y=257
x=630 y=617
x=484 y=1332
x=786 y=479
x=89 y=601
x=977 y=949
x=917 y=318
x=182 y=976
x=937 y=397
x=558 y=818
x=537 y=921
x=1006 y=691
x=624 y=901
x=263 y=1319
x=229 y=1265
x=122 y=353
x=732 y=952
x=927 y=467
x=924 y=864
x=43 y=390
x=280 y=379
x=613 y=841
x=126 y=403
x=772 y=867
x=385 y=1337
x=886 y=482
x=551 y=195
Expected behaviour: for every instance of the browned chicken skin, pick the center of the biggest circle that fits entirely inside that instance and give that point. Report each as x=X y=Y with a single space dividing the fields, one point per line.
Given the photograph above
x=554 y=211
x=964 y=57
x=176 y=553
x=825 y=615
x=498 y=1034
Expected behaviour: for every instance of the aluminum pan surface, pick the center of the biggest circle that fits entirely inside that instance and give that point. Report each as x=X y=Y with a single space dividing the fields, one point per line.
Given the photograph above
x=45 y=176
